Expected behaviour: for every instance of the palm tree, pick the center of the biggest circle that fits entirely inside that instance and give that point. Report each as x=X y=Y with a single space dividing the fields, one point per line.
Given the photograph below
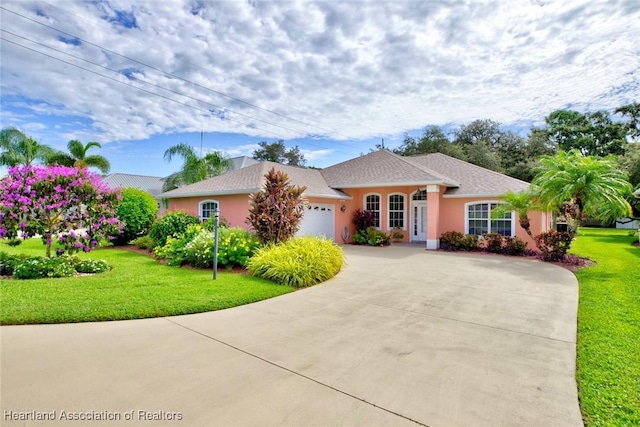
x=590 y=186
x=19 y=149
x=195 y=168
x=77 y=156
x=522 y=202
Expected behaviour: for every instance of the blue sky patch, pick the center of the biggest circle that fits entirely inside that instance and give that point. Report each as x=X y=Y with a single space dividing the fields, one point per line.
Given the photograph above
x=124 y=18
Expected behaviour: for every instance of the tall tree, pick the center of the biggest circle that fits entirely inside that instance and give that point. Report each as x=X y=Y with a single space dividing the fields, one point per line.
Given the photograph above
x=589 y=185
x=194 y=168
x=77 y=156
x=594 y=134
x=277 y=152
x=632 y=111
x=433 y=140
x=477 y=131
x=20 y=149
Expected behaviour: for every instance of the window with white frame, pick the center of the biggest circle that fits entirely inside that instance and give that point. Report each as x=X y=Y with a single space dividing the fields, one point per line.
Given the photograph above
x=372 y=203
x=396 y=211
x=207 y=208
x=420 y=195
x=479 y=220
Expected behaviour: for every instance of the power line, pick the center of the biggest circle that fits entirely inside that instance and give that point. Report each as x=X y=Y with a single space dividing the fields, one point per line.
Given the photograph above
x=166 y=72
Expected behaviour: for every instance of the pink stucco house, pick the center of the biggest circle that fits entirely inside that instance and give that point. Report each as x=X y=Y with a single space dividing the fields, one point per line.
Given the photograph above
x=422 y=195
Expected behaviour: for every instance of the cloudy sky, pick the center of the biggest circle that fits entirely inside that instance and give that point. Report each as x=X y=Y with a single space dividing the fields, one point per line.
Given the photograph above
x=333 y=77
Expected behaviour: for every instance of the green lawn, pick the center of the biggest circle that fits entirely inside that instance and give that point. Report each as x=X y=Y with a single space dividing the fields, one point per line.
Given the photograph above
x=136 y=287
x=608 y=363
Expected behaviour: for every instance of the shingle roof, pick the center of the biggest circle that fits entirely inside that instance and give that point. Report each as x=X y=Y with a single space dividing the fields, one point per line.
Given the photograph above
x=243 y=161
x=151 y=184
x=381 y=168
x=250 y=179
x=473 y=180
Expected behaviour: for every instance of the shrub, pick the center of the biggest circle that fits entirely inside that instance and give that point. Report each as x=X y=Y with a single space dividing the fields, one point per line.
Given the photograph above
x=137 y=210
x=8 y=262
x=363 y=220
x=174 y=248
x=553 y=245
x=457 y=241
x=299 y=262
x=514 y=246
x=172 y=224
x=39 y=267
x=143 y=242
x=371 y=237
x=91 y=266
x=235 y=247
x=493 y=242
x=210 y=223
x=275 y=212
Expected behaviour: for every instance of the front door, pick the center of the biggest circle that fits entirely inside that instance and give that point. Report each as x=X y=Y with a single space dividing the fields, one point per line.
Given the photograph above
x=418 y=221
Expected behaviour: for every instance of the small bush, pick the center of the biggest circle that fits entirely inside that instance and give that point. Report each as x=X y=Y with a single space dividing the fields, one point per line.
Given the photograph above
x=174 y=248
x=171 y=225
x=371 y=237
x=493 y=242
x=143 y=242
x=553 y=245
x=137 y=210
x=363 y=220
x=457 y=241
x=235 y=247
x=299 y=262
x=91 y=266
x=514 y=246
x=8 y=262
x=39 y=267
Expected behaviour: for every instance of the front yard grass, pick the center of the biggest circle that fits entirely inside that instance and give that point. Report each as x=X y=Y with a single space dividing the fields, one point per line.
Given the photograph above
x=608 y=361
x=136 y=287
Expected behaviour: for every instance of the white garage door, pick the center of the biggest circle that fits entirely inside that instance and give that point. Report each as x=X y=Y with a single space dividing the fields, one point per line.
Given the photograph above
x=318 y=219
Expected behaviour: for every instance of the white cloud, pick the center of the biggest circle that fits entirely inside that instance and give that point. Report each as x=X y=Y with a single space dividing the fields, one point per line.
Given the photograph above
x=347 y=70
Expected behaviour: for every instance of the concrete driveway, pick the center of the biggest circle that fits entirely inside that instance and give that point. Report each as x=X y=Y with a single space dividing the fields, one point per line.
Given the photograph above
x=401 y=337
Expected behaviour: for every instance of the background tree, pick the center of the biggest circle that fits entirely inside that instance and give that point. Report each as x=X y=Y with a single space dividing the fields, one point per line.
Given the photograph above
x=632 y=112
x=278 y=153
x=194 y=167
x=592 y=186
x=275 y=211
x=77 y=157
x=138 y=210
x=630 y=163
x=433 y=140
x=53 y=202
x=20 y=149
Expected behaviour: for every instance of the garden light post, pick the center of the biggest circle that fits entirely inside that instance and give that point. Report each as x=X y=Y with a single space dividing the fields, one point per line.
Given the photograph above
x=216 y=214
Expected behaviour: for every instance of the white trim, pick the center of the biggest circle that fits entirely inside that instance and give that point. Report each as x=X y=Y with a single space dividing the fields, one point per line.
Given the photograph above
x=432 y=188
x=412 y=219
x=404 y=210
x=461 y=196
x=364 y=207
x=433 y=244
x=478 y=202
x=397 y=184
x=202 y=202
x=210 y=193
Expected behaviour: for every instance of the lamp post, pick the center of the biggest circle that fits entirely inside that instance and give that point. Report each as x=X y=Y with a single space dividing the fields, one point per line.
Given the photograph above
x=216 y=214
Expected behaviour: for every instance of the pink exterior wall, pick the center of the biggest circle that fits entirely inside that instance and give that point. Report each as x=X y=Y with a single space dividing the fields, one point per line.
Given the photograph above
x=449 y=217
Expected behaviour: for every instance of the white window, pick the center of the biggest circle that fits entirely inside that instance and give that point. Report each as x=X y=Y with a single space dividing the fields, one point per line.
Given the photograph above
x=372 y=203
x=479 y=221
x=420 y=195
x=396 y=210
x=206 y=209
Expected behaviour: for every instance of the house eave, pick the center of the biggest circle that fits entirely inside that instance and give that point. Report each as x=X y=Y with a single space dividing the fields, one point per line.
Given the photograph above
x=208 y=193
x=328 y=196
x=397 y=184
x=475 y=196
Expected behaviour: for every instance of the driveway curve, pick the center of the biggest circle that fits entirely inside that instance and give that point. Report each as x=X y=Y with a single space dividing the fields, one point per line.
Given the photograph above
x=401 y=336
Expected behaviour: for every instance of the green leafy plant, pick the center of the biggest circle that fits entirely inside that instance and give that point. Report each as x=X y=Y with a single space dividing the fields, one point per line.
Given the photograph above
x=91 y=266
x=174 y=248
x=275 y=212
x=553 y=244
x=457 y=241
x=300 y=262
x=235 y=247
x=363 y=220
x=371 y=237
x=514 y=246
x=493 y=242
x=143 y=242
x=138 y=210
x=172 y=224
x=8 y=262
x=39 y=267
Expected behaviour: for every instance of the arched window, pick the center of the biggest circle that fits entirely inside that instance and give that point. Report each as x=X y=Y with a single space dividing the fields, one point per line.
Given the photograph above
x=419 y=195
x=478 y=220
x=206 y=209
x=372 y=203
x=396 y=210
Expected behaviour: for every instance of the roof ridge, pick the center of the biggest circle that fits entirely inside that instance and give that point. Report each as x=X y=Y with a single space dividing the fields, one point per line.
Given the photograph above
x=421 y=167
x=475 y=166
x=133 y=174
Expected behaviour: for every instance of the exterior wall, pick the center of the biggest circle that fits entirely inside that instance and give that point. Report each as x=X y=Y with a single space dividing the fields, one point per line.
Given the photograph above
x=233 y=208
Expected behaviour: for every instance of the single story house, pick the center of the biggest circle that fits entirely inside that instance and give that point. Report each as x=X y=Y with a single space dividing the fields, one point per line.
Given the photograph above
x=150 y=184
x=423 y=196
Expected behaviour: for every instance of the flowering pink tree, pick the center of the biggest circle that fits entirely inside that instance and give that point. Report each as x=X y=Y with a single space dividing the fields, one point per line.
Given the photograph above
x=71 y=205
